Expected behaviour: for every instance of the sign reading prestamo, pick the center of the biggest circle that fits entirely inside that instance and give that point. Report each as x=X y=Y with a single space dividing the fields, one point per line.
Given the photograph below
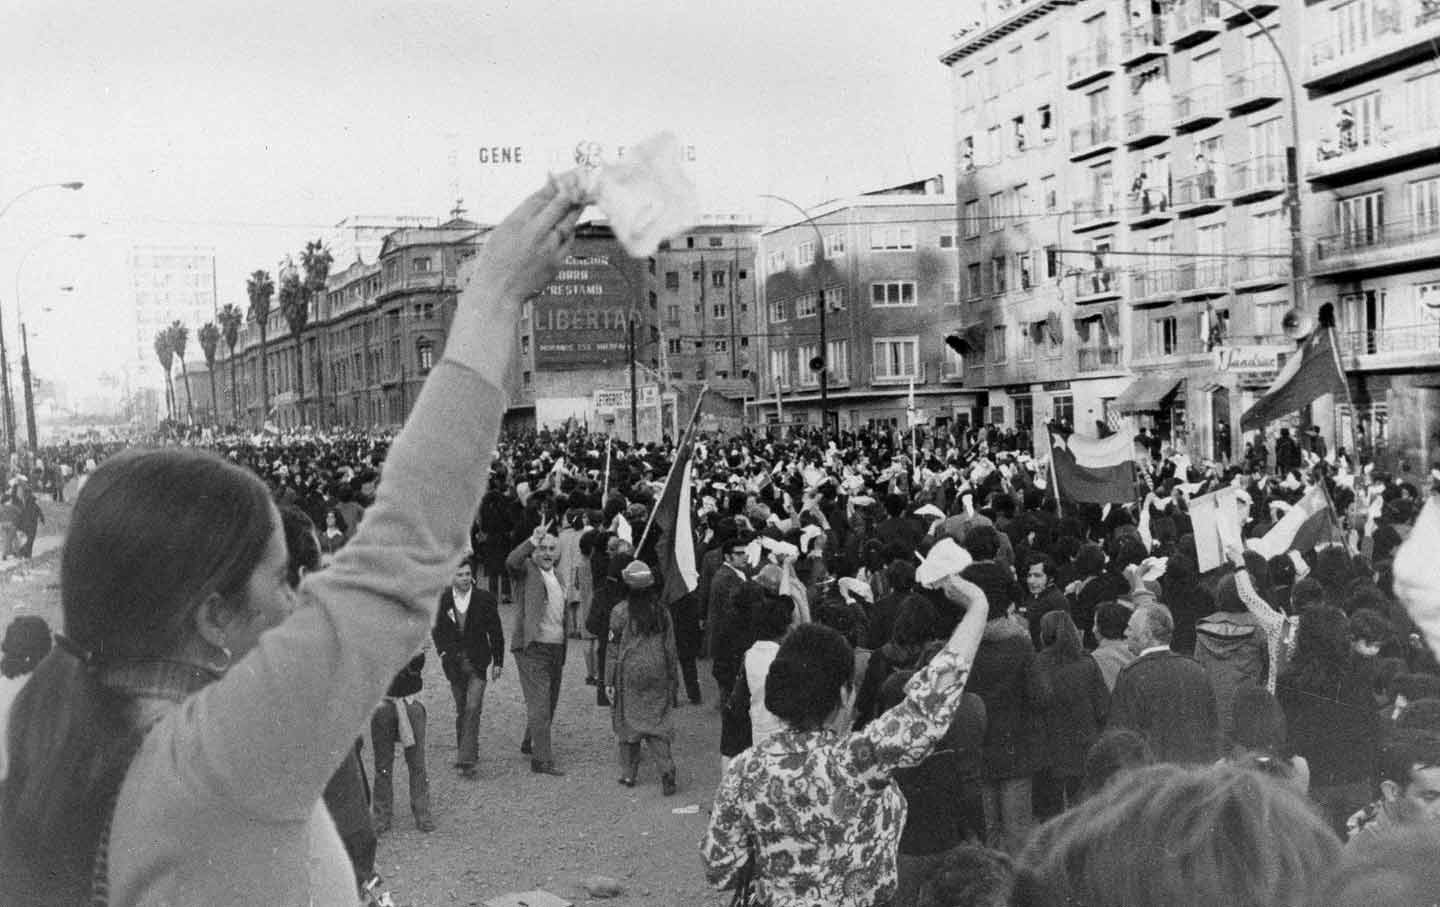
x=580 y=318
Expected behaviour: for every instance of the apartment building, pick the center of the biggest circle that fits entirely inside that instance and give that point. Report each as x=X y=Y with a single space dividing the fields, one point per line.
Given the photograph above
x=1147 y=275
x=885 y=265
x=1372 y=168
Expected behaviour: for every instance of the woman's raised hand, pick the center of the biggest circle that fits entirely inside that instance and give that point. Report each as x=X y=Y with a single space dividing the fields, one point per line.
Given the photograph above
x=521 y=255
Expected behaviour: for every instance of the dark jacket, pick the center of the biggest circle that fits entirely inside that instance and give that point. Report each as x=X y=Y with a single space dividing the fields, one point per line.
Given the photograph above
x=943 y=792
x=1167 y=698
x=1231 y=647
x=481 y=640
x=1016 y=693
x=1032 y=609
x=1076 y=714
x=729 y=629
x=1335 y=727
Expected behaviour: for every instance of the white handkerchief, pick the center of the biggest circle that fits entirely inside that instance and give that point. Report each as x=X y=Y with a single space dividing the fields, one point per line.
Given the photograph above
x=647 y=197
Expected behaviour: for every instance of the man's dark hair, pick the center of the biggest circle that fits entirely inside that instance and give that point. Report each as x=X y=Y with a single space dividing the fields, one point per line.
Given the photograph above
x=1111 y=618
x=806 y=678
x=1407 y=750
x=983 y=542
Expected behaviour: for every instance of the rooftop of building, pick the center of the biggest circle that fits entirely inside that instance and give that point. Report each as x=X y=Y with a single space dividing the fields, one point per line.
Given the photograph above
x=1009 y=16
x=926 y=192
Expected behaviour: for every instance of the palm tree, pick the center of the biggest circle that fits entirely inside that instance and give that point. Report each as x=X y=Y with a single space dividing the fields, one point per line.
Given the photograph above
x=230 y=320
x=297 y=315
x=261 y=290
x=315 y=261
x=209 y=336
x=166 y=354
x=179 y=337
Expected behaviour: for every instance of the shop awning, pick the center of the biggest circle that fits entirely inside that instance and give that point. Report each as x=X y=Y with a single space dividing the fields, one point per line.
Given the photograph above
x=1146 y=394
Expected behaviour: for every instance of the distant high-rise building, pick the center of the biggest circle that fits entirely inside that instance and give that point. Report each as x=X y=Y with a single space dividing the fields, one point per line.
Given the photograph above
x=169 y=282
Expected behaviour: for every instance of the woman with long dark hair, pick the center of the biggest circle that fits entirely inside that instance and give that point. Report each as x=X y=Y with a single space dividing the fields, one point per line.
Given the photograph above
x=174 y=747
x=1330 y=714
x=1074 y=717
x=643 y=677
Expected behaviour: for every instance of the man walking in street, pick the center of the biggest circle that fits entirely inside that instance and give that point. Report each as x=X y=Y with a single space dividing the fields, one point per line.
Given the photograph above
x=469 y=637
x=538 y=640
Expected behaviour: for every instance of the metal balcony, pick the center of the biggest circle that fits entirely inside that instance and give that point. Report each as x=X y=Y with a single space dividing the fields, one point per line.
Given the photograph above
x=1389 y=148
x=1150 y=207
x=1194 y=22
x=1095 y=212
x=1411 y=341
x=1201 y=278
x=1392 y=34
x=1092 y=138
x=1256 y=8
x=1377 y=247
x=1260 y=269
x=1098 y=359
x=1089 y=65
x=1258 y=178
x=1198 y=193
x=1097 y=285
x=1251 y=89
x=1147 y=125
x=1176 y=349
x=1143 y=43
x=876 y=378
x=1201 y=106
x=1152 y=286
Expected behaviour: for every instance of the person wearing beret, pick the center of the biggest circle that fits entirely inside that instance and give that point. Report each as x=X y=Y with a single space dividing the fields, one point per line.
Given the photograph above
x=642 y=677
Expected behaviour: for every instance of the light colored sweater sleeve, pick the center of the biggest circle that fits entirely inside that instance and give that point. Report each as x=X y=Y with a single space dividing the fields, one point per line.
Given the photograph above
x=267 y=737
x=1417 y=573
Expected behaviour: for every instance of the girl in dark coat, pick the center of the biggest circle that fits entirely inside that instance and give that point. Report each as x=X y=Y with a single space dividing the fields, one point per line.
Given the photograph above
x=1075 y=716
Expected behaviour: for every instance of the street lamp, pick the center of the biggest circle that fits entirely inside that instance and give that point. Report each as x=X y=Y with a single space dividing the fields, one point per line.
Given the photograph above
x=7 y=399
x=30 y=429
x=820 y=297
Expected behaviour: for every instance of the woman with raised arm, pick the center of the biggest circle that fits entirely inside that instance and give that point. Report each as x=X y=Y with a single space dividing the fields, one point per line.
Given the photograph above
x=174 y=748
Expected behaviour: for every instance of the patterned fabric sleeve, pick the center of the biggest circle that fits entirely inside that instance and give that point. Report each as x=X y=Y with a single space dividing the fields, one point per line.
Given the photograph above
x=907 y=733
x=725 y=848
x=1272 y=622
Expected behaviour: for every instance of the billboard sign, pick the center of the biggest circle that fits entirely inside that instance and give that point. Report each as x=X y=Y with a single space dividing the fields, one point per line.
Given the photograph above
x=580 y=318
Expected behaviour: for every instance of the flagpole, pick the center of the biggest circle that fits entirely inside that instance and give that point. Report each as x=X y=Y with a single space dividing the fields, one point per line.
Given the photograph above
x=1054 y=479
x=605 y=489
x=1349 y=405
x=689 y=435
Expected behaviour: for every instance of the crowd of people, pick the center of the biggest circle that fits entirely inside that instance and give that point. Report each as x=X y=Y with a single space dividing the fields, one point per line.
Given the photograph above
x=935 y=681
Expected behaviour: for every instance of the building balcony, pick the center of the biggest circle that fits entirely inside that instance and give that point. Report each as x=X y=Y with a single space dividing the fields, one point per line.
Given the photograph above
x=1258 y=178
x=1151 y=207
x=1200 y=278
x=1162 y=351
x=1089 y=65
x=1092 y=138
x=1393 y=147
x=1143 y=43
x=1193 y=22
x=952 y=372
x=1259 y=86
x=1098 y=359
x=809 y=380
x=1201 y=106
x=878 y=379
x=1378 y=247
x=1147 y=125
x=1095 y=212
x=1260 y=269
x=1198 y=193
x=1097 y=285
x=1391 y=346
x=1152 y=286
x=1256 y=8
x=1395 y=32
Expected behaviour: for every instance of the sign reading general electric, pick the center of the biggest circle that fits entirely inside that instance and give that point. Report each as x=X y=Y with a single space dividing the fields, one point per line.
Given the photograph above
x=580 y=317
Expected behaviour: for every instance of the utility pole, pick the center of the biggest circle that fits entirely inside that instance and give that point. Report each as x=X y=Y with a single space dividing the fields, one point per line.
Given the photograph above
x=634 y=395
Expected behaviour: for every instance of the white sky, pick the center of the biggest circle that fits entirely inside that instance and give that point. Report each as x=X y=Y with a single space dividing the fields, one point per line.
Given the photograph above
x=253 y=126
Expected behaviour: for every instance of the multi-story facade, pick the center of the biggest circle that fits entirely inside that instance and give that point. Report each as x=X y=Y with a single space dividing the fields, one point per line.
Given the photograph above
x=886 y=267
x=707 y=305
x=169 y=282
x=1372 y=167
x=1132 y=161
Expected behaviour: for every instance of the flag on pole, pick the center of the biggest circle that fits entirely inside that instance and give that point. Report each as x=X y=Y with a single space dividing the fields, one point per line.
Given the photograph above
x=1093 y=470
x=1309 y=523
x=676 y=545
x=1307 y=376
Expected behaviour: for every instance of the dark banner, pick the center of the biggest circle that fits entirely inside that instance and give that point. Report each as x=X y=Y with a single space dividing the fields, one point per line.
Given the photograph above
x=580 y=318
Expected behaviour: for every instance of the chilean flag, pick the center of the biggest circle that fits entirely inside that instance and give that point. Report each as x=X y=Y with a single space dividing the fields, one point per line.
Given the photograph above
x=676 y=545
x=1093 y=470
x=1311 y=522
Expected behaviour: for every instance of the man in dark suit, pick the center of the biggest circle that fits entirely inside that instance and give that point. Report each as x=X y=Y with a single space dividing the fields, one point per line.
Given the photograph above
x=729 y=630
x=470 y=640
x=1163 y=696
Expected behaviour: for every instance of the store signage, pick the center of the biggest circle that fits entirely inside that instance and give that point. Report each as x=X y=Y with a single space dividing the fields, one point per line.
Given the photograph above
x=1266 y=360
x=610 y=400
x=502 y=154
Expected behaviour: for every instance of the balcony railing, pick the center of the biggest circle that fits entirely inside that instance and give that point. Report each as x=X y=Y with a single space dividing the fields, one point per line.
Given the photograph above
x=918 y=377
x=1093 y=134
x=1152 y=283
x=1095 y=211
x=1144 y=41
x=1087 y=64
x=1205 y=274
x=1386 y=18
x=1413 y=338
x=1261 y=81
x=1261 y=264
x=1198 y=105
x=1160 y=349
x=1148 y=120
x=1387 y=144
x=1258 y=174
x=1095 y=359
x=1199 y=189
x=1193 y=22
x=1377 y=236
x=1097 y=282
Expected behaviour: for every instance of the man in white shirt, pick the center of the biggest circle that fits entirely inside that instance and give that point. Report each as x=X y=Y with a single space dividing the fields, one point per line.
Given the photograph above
x=538 y=640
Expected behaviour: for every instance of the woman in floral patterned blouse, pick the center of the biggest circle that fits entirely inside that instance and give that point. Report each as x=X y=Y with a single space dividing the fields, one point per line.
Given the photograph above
x=816 y=810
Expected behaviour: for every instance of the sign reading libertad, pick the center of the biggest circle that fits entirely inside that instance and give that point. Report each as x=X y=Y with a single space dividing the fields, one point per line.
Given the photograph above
x=580 y=317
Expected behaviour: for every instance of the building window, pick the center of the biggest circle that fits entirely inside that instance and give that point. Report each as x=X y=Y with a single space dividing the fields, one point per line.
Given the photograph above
x=835 y=299
x=1362 y=220
x=716 y=242
x=1425 y=206
x=689 y=242
x=695 y=276
x=672 y=280
x=1017 y=130
x=775 y=262
x=1062 y=406
x=672 y=346
x=804 y=254
x=741 y=274
x=672 y=314
x=780 y=367
x=1045 y=123
x=420 y=265
x=973 y=285
x=892 y=239
x=525 y=344
x=719 y=310
x=1023 y=269
x=947 y=240
x=998 y=285
x=717 y=279
x=896 y=358
x=1164 y=336
x=808 y=377
x=720 y=346
x=526 y=379
x=997 y=211
x=834 y=245
x=949 y=292
x=837 y=359
x=892 y=293
x=777 y=311
x=1025 y=344
x=970 y=220
x=805 y=305
x=1052 y=262
x=1049 y=197
x=998 y=349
